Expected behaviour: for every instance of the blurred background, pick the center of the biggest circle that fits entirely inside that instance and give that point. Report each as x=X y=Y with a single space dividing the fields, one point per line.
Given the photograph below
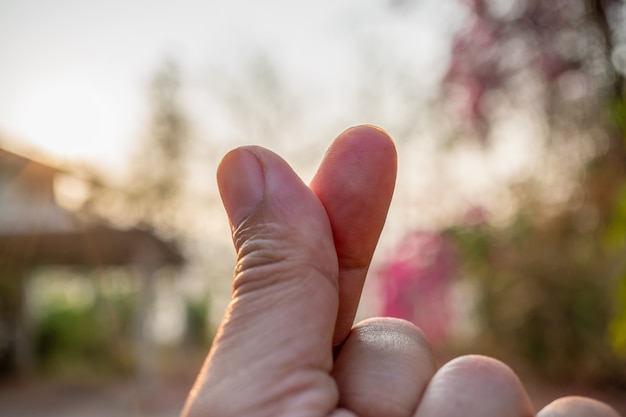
x=506 y=236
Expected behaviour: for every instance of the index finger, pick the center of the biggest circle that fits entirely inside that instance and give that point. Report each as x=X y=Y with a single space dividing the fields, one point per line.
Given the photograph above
x=355 y=183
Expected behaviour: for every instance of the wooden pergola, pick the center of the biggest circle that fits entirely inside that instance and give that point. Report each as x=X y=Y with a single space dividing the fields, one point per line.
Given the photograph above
x=35 y=232
x=94 y=247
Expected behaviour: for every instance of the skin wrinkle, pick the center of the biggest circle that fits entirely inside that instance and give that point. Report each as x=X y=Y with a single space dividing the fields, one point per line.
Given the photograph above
x=392 y=407
x=288 y=294
x=255 y=287
x=283 y=362
x=256 y=271
x=268 y=233
x=272 y=247
x=265 y=297
x=354 y=263
x=391 y=352
x=284 y=385
x=383 y=339
x=299 y=395
x=350 y=283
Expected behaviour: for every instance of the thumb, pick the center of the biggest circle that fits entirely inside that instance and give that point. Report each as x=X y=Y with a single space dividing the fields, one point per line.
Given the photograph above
x=284 y=291
x=286 y=260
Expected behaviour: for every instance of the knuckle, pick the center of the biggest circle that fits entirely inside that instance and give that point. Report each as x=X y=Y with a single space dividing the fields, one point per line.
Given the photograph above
x=271 y=255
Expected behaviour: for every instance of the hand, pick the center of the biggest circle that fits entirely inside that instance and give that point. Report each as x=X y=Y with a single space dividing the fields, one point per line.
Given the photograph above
x=286 y=346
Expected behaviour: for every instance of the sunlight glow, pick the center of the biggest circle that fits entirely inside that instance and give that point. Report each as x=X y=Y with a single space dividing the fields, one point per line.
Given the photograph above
x=71 y=192
x=71 y=118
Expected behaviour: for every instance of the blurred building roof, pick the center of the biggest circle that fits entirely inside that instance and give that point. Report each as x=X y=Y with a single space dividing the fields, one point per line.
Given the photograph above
x=36 y=230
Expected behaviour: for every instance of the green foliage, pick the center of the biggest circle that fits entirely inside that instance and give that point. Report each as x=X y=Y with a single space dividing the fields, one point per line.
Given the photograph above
x=71 y=337
x=615 y=232
x=617 y=114
x=197 y=323
x=615 y=236
x=80 y=338
x=617 y=327
x=550 y=282
x=547 y=294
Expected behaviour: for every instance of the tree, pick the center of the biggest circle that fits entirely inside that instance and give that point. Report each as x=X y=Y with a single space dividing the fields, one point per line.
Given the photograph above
x=549 y=278
x=158 y=176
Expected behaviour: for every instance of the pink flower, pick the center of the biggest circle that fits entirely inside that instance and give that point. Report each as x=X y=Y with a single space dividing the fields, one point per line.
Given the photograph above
x=415 y=282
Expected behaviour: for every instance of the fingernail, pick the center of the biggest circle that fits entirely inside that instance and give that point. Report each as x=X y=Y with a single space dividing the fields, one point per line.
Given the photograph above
x=241 y=184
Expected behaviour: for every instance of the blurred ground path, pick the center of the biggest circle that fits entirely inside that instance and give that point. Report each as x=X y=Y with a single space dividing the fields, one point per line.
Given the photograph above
x=543 y=394
x=166 y=398
x=73 y=399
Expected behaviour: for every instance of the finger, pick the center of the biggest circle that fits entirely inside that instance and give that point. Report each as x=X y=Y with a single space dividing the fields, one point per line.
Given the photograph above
x=475 y=386
x=284 y=292
x=577 y=407
x=355 y=183
x=382 y=368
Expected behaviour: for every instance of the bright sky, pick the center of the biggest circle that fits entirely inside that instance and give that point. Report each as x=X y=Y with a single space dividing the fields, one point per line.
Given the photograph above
x=73 y=73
